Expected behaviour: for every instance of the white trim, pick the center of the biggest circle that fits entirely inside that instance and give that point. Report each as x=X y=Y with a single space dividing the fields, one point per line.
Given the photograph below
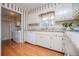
x=21 y=12
x=0 y=29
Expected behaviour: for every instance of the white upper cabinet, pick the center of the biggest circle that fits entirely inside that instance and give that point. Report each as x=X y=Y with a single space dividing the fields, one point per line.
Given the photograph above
x=63 y=11
x=59 y=12
x=68 y=12
x=75 y=9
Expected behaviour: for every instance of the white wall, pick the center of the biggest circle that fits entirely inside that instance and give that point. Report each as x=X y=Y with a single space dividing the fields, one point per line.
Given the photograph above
x=5 y=30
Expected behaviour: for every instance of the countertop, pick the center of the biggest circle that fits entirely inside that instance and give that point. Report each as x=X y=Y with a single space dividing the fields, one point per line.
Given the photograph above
x=46 y=30
x=57 y=30
x=74 y=36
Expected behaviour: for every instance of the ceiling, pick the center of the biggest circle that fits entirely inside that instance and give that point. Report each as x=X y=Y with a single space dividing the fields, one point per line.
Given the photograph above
x=6 y=12
x=29 y=6
x=10 y=14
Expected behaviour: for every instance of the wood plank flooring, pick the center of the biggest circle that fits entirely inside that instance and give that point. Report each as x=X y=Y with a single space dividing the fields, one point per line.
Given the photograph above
x=10 y=48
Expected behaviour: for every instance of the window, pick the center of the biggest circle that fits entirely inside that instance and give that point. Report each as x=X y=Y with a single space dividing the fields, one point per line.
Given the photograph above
x=48 y=20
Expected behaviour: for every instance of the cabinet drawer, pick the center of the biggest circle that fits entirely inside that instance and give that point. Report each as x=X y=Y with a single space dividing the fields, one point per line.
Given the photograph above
x=43 y=41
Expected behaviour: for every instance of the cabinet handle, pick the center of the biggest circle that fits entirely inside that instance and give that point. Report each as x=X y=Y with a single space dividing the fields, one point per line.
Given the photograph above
x=62 y=38
x=62 y=49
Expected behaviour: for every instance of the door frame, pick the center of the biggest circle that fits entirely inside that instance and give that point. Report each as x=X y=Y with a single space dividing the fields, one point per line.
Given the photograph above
x=0 y=29
x=22 y=26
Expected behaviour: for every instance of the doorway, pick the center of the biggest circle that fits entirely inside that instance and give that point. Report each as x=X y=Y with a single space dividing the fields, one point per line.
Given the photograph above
x=11 y=25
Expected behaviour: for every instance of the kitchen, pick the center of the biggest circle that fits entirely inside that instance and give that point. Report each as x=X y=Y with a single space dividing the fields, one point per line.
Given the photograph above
x=53 y=26
x=55 y=36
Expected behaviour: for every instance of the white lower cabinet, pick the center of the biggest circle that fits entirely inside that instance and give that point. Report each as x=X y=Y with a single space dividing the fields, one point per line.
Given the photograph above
x=51 y=40
x=43 y=40
x=57 y=44
x=30 y=37
x=70 y=48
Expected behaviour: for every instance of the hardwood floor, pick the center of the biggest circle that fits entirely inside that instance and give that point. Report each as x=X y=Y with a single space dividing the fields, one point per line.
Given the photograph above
x=26 y=49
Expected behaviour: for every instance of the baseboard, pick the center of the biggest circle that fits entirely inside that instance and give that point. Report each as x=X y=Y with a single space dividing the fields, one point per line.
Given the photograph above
x=7 y=40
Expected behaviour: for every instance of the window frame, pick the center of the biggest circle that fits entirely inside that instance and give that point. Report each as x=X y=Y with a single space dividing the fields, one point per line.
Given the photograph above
x=49 y=19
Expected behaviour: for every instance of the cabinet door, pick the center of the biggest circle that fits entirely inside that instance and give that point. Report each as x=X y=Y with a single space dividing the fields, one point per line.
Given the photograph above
x=75 y=10
x=43 y=40
x=63 y=12
x=66 y=48
x=59 y=12
x=67 y=12
x=70 y=48
x=57 y=44
x=26 y=36
x=31 y=37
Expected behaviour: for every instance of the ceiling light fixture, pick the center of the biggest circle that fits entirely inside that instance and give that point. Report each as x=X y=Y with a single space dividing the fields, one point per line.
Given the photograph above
x=11 y=13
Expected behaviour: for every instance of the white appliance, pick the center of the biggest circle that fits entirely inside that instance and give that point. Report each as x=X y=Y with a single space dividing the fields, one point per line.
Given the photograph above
x=17 y=37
